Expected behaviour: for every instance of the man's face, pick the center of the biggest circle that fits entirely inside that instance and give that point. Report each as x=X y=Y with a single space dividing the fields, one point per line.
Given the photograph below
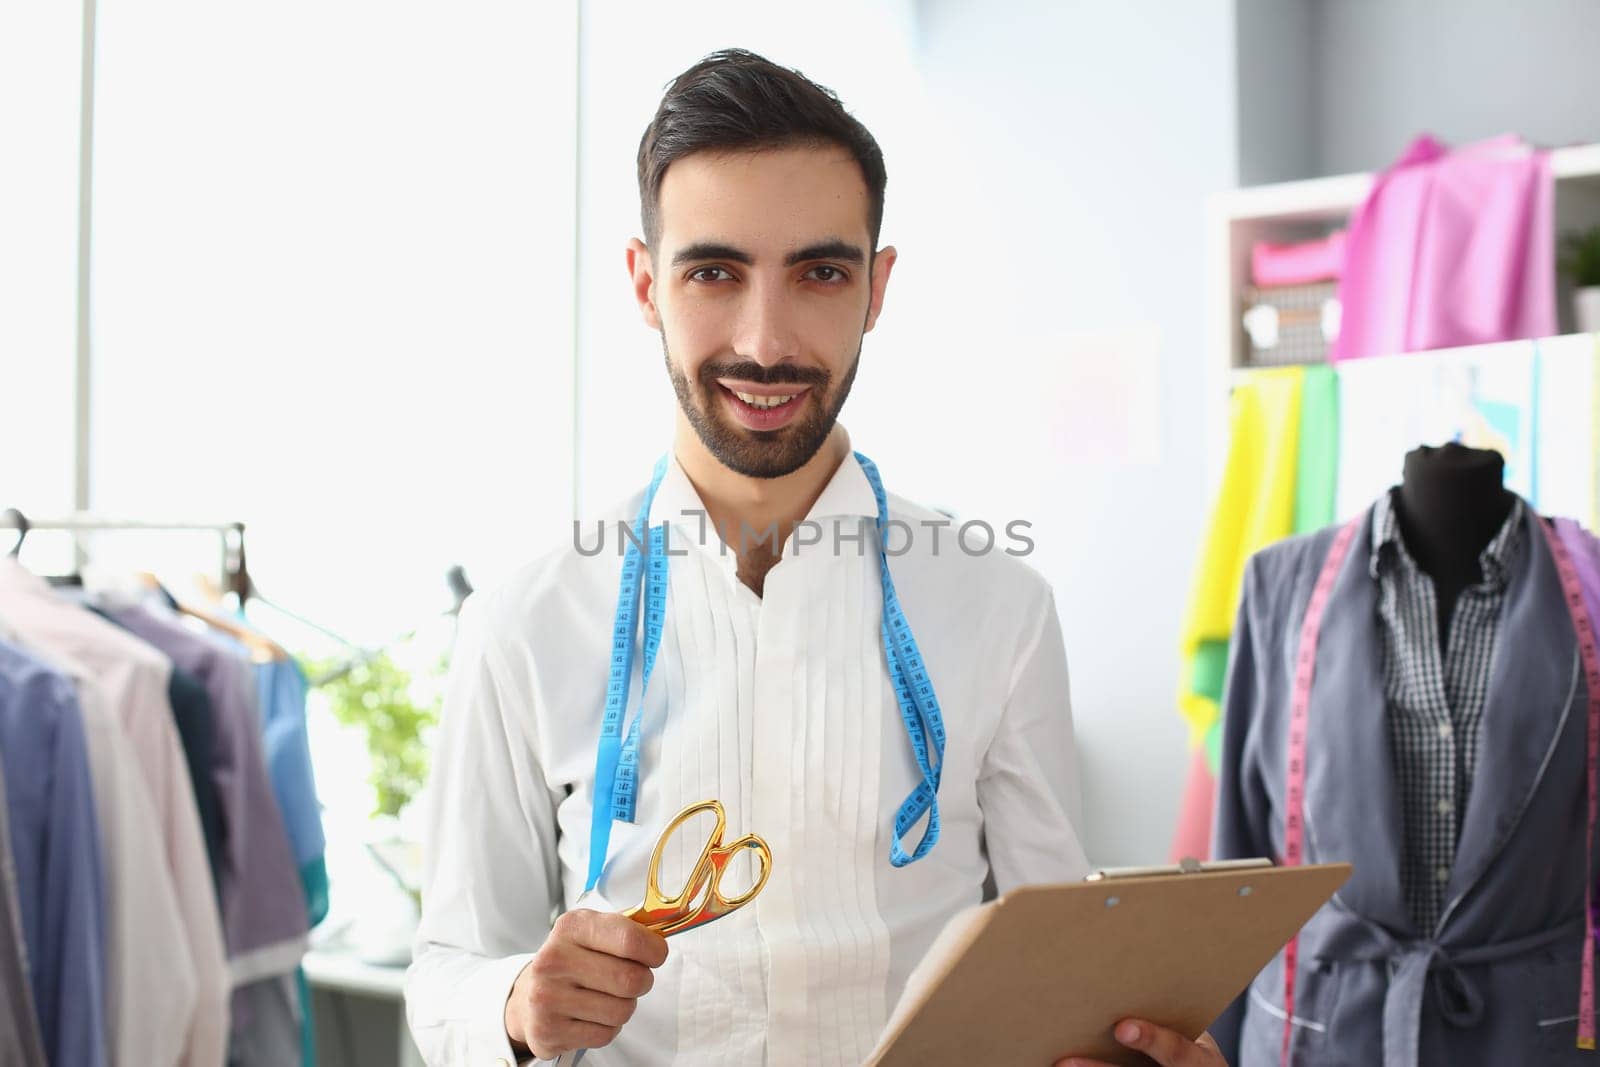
x=761 y=289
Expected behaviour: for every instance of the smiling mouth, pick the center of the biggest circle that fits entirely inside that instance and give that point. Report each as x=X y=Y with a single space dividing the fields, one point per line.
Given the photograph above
x=765 y=403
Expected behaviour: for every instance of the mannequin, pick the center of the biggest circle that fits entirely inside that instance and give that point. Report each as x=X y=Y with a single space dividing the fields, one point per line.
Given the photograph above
x=1452 y=502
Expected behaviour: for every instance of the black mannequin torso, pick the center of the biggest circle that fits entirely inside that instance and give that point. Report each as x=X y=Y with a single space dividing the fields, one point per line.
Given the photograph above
x=1451 y=503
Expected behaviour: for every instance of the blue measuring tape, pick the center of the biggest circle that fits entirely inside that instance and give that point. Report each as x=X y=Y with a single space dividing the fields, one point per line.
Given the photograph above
x=616 y=766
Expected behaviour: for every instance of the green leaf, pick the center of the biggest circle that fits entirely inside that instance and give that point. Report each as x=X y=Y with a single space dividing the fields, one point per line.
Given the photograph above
x=377 y=696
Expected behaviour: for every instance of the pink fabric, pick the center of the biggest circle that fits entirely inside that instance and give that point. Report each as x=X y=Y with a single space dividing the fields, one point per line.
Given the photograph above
x=1298 y=264
x=1192 y=837
x=1451 y=248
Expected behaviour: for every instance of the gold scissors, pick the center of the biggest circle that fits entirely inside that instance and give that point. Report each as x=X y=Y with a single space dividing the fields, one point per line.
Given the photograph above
x=668 y=915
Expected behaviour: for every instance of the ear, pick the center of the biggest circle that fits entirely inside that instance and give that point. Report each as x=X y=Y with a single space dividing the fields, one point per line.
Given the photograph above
x=882 y=264
x=642 y=272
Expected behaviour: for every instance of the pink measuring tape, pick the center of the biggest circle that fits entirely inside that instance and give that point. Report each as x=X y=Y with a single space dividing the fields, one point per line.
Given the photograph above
x=1299 y=713
x=1572 y=590
x=1294 y=830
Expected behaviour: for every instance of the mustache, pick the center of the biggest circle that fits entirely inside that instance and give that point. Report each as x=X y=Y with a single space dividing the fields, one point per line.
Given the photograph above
x=750 y=371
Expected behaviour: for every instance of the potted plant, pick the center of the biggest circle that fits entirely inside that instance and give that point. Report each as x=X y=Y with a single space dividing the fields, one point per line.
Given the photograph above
x=1580 y=263
x=377 y=696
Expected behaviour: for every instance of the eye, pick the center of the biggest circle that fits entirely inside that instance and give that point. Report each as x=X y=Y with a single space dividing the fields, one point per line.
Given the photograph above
x=699 y=274
x=826 y=272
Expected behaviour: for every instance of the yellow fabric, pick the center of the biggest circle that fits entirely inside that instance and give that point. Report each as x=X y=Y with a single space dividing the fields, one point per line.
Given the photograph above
x=1254 y=508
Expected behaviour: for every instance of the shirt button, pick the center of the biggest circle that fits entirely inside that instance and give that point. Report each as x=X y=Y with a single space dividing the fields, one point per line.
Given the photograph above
x=1442 y=874
x=1445 y=807
x=1445 y=730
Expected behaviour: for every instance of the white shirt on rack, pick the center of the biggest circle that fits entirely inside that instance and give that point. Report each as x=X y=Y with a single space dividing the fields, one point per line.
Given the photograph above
x=781 y=707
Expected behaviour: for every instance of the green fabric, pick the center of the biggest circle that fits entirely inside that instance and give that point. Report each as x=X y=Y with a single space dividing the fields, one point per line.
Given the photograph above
x=1317 y=460
x=1214 y=748
x=1208 y=669
x=314 y=879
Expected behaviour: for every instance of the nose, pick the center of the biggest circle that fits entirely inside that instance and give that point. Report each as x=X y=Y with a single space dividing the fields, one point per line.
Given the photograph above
x=766 y=330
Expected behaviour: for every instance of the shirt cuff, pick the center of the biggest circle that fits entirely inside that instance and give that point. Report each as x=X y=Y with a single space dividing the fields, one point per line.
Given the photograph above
x=487 y=991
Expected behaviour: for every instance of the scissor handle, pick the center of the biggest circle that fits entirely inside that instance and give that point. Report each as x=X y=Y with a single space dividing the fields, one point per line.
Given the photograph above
x=726 y=853
x=672 y=914
x=716 y=905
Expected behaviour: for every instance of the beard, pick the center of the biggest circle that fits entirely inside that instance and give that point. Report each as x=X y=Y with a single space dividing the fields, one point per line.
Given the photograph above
x=760 y=453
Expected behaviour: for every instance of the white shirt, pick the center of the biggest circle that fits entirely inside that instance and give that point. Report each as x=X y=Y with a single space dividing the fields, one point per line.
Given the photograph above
x=781 y=707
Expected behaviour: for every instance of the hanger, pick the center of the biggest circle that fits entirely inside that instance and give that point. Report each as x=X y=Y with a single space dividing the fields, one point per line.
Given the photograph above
x=460 y=589
x=21 y=522
x=262 y=648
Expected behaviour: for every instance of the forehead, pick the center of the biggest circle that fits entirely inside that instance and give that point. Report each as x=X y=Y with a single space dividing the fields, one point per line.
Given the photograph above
x=776 y=197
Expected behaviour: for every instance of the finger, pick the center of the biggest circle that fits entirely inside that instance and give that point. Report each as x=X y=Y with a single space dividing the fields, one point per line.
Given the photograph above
x=560 y=1036
x=615 y=935
x=1168 y=1047
x=574 y=965
x=589 y=1006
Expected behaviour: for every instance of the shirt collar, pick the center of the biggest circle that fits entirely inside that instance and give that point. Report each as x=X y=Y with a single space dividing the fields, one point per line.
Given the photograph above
x=848 y=494
x=1389 y=547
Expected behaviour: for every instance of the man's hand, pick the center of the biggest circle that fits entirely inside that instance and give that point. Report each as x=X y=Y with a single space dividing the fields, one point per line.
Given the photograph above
x=1167 y=1047
x=585 y=982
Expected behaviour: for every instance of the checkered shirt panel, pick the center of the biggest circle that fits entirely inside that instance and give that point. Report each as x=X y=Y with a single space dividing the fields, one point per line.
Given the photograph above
x=1435 y=706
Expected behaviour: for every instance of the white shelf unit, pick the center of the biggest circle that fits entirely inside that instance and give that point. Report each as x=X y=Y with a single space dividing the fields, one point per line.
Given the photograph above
x=1238 y=218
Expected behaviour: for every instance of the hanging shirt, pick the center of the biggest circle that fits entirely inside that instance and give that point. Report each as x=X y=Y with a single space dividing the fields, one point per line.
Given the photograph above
x=191 y=713
x=135 y=679
x=55 y=843
x=781 y=707
x=20 y=1043
x=263 y=906
x=281 y=686
x=1435 y=702
x=147 y=1023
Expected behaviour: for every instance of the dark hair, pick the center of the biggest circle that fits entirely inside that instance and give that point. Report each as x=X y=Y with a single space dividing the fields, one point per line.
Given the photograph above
x=734 y=99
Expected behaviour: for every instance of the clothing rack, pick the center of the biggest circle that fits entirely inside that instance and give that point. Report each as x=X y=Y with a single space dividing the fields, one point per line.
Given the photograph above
x=234 y=575
x=230 y=536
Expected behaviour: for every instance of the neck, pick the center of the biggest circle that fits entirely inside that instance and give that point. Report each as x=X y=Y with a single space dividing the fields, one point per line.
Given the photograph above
x=1452 y=503
x=739 y=504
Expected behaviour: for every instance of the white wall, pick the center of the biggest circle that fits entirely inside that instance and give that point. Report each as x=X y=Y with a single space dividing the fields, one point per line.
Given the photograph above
x=1079 y=141
x=1039 y=355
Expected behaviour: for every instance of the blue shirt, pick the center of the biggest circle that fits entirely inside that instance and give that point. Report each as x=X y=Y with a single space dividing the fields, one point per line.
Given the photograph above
x=55 y=844
x=282 y=688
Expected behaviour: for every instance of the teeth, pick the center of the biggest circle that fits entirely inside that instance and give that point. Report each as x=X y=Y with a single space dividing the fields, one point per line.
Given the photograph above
x=764 y=401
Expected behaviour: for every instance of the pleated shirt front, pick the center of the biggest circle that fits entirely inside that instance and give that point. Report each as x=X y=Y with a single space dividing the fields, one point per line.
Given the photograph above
x=780 y=706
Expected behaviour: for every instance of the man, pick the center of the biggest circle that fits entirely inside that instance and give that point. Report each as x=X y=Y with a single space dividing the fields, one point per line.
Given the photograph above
x=761 y=200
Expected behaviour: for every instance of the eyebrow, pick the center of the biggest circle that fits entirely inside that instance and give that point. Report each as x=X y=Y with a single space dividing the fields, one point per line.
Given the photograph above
x=832 y=248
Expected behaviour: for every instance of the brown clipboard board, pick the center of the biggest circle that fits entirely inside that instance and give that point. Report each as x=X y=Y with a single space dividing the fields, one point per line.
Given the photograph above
x=1046 y=971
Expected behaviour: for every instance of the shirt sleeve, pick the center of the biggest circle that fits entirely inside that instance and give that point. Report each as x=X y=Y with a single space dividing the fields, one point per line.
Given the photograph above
x=69 y=970
x=1028 y=786
x=491 y=880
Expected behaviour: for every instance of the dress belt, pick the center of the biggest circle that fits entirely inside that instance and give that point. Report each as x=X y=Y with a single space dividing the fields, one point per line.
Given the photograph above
x=1414 y=963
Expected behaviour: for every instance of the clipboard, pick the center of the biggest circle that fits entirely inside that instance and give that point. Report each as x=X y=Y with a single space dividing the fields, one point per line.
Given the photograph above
x=1046 y=971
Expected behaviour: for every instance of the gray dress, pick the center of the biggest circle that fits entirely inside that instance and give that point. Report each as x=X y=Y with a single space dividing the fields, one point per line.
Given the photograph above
x=1497 y=981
